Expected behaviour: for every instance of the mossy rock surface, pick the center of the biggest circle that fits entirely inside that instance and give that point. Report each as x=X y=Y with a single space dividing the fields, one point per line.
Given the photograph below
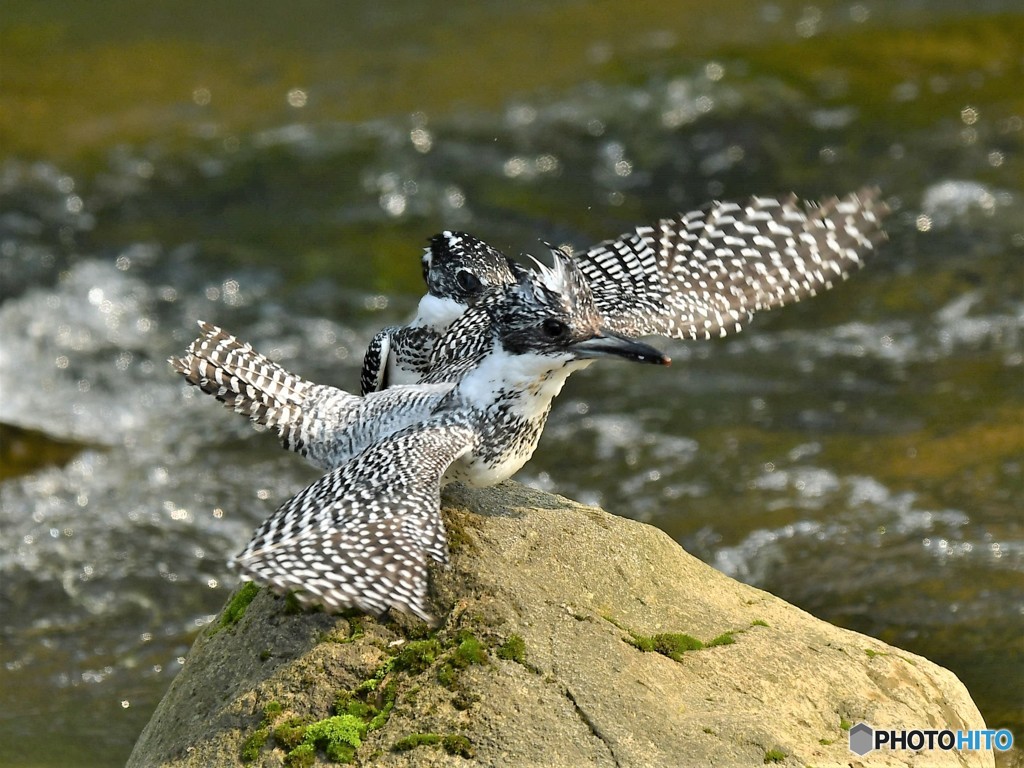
x=536 y=662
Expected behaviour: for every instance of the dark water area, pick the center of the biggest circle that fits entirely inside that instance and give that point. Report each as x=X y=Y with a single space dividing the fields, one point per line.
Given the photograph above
x=277 y=172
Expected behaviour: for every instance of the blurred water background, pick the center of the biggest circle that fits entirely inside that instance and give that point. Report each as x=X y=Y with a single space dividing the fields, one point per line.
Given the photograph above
x=276 y=169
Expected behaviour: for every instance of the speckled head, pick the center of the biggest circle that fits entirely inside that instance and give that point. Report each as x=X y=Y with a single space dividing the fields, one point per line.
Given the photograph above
x=550 y=311
x=459 y=267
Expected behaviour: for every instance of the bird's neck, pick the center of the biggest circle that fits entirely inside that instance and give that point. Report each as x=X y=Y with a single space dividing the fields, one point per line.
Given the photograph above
x=526 y=382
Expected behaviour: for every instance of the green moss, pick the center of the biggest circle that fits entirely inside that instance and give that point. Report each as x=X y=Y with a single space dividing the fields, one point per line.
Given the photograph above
x=292 y=732
x=372 y=714
x=414 y=740
x=346 y=704
x=382 y=716
x=644 y=642
x=338 y=736
x=469 y=651
x=374 y=682
x=446 y=675
x=238 y=604
x=671 y=644
x=341 y=753
x=674 y=645
x=389 y=697
x=356 y=712
x=418 y=630
x=774 y=756
x=345 y=729
x=613 y=621
x=871 y=654
x=348 y=632
x=253 y=744
x=844 y=723
x=355 y=628
x=513 y=649
x=303 y=756
x=759 y=623
x=417 y=655
x=368 y=706
x=726 y=638
x=456 y=744
x=826 y=742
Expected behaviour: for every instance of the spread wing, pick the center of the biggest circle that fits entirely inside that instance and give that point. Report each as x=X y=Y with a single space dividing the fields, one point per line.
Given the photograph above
x=325 y=424
x=360 y=536
x=704 y=273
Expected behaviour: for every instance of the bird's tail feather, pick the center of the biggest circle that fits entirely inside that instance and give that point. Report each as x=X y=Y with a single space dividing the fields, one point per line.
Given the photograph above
x=243 y=379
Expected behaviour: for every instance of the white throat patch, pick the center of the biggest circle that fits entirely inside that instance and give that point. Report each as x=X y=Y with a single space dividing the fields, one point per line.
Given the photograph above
x=437 y=313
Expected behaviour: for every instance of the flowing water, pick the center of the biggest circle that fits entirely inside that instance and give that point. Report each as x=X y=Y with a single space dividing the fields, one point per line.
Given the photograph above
x=277 y=173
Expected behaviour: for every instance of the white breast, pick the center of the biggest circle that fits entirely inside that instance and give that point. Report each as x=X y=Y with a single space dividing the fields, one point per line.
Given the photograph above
x=533 y=380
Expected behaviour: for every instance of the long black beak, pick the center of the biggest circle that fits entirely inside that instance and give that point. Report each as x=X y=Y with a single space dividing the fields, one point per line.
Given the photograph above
x=606 y=343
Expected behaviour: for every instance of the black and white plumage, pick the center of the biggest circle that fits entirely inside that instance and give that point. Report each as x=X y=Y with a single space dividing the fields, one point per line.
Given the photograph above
x=361 y=535
x=457 y=268
x=699 y=275
x=490 y=365
x=325 y=424
x=703 y=274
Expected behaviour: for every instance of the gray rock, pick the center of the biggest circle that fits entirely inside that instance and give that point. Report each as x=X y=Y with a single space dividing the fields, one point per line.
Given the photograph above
x=599 y=603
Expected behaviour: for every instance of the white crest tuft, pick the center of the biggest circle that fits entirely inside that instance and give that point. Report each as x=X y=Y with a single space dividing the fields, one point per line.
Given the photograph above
x=556 y=278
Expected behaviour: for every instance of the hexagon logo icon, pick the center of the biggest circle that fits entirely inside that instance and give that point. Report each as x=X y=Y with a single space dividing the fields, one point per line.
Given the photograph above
x=862 y=739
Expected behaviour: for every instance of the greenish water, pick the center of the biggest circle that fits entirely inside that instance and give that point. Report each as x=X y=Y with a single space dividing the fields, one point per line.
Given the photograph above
x=277 y=169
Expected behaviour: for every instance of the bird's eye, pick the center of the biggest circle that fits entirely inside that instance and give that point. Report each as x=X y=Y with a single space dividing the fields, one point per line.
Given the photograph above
x=554 y=329
x=468 y=281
